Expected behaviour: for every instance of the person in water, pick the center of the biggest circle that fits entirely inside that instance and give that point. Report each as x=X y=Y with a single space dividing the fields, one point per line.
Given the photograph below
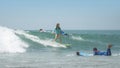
x=106 y=53
x=41 y=30
x=58 y=32
x=99 y=53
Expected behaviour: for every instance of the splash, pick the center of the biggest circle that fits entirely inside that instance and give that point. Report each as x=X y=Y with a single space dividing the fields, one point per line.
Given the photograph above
x=10 y=42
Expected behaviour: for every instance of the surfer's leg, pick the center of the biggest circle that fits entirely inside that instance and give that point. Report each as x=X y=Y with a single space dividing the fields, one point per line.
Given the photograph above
x=109 y=50
x=55 y=37
x=60 y=38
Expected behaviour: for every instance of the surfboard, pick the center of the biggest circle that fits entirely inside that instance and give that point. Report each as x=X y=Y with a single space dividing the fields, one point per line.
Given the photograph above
x=85 y=54
x=56 y=44
x=67 y=45
x=63 y=45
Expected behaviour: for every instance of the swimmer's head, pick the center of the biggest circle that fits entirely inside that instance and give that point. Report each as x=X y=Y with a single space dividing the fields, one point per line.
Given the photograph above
x=77 y=53
x=95 y=49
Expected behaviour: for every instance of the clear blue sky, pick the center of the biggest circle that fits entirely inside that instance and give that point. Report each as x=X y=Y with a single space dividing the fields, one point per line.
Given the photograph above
x=71 y=14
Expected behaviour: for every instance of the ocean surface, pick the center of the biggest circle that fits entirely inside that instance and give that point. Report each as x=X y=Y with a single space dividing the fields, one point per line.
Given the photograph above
x=34 y=49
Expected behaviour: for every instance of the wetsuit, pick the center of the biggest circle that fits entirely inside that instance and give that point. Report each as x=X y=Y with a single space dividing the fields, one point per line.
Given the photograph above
x=108 y=53
x=58 y=31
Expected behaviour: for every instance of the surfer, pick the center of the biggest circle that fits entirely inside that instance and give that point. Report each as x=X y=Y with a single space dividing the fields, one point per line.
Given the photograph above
x=96 y=52
x=41 y=30
x=107 y=53
x=58 y=32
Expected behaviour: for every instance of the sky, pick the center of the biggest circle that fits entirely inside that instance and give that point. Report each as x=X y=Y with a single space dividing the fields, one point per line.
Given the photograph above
x=71 y=14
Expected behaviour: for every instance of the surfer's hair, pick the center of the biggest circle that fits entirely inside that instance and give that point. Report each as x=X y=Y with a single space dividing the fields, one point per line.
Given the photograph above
x=95 y=49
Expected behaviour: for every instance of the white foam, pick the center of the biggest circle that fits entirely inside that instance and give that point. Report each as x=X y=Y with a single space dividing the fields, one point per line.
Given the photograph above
x=116 y=54
x=77 y=38
x=9 y=42
x=40 y=41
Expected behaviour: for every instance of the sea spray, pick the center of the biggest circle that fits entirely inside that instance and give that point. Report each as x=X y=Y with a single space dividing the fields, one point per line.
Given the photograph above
x=10 y=42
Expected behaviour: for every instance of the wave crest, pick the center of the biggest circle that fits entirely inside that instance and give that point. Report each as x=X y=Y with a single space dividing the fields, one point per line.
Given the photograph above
x=10 y=42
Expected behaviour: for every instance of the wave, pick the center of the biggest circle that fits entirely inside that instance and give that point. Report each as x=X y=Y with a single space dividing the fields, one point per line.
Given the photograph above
x=77 y=38
x=10 y=42
x=46 y=42
x=20 y=41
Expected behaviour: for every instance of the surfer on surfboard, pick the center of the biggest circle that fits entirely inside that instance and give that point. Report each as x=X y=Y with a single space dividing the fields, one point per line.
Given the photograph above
x=58 y=32
x=96 y=52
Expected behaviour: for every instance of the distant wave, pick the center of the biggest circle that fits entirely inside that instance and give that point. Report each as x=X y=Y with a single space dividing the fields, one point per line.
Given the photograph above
x=77 y=38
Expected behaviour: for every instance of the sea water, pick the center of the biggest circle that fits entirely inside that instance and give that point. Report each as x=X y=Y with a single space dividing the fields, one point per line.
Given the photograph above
x=34 y=49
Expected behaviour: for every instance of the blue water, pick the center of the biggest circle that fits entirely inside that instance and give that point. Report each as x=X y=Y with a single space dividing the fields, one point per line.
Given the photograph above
x=34 y=49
